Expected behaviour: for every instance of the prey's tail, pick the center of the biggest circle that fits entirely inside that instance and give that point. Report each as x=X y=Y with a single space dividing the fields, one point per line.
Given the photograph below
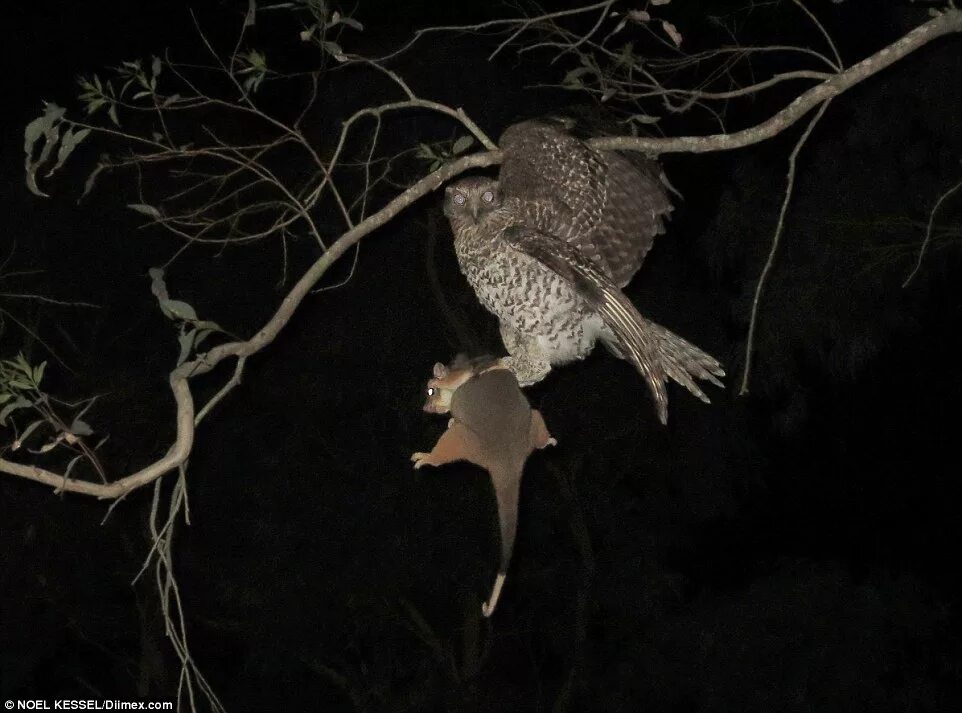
x=507 y=488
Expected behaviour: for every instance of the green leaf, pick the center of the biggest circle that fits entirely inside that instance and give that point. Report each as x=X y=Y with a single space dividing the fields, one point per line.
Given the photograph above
x=23 y=365
x=30 y=429
x=156 y=66
x=94 y=105
x=574 y=76
x=144 y=209
x=38 y=373
x=92 y=179
x=46 y=127
x=80 y=428
x=112 y=113
x=186 y=341
x=462 y=144
x=334 y=50
x=71 y=139
x=11 y=407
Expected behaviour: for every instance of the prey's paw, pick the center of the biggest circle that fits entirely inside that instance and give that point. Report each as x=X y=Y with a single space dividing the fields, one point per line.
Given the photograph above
x=420 y=459
x=550 y=442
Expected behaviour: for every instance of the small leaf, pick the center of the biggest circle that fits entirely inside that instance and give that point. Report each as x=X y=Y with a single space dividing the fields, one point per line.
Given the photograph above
x=308 y=33
x=425 y=151
x=81 y=428
x=11 y=407
x=186 y=344
x=156 y=66
x=639 y=15
x=608 y=93
x=144 y=209
x=94 y=105
x=656 y=3
x=92 y=179
x=112 y=113
x=22 y=364
x=47 y=127
x=462 y=144
x=352 y=23
x=672 y=32
x=573 y=78
x=71 y=464
x=334 y=50
x=38 y=373
x=70 y=141
x=30 y=429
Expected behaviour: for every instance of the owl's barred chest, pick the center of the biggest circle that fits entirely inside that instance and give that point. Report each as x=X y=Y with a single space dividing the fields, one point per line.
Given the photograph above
x=525 y=295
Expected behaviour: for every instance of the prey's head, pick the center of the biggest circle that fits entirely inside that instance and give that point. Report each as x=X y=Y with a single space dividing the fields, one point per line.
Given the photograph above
x=471 y=199
x=441 y=388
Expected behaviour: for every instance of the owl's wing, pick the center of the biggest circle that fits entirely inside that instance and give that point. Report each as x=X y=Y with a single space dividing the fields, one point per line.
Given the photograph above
x=655 y=351
x=607 y=206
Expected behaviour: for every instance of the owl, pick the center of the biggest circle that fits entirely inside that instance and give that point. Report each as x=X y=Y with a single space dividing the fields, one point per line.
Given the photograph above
x=548 y=246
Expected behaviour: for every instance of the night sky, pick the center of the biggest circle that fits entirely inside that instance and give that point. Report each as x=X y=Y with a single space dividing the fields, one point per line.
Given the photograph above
x=795 y=549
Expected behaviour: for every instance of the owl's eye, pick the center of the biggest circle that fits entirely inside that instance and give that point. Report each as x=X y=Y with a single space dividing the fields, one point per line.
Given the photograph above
x=459 y=198
x=487 y=196
x=431 y=391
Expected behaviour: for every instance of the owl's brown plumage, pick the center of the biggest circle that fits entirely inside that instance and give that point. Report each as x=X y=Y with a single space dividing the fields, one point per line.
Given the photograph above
x=548 y=246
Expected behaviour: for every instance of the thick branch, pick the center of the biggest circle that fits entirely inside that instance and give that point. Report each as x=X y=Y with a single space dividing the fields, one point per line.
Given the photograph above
x=947 y=23
x=179 y=378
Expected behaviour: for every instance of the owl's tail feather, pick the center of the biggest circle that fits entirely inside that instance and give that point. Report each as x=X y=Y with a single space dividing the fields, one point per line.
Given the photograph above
x=656 y=352
x=682 y=361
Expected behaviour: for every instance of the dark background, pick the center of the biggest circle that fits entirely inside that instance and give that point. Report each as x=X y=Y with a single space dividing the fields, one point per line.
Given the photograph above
x=796 y=549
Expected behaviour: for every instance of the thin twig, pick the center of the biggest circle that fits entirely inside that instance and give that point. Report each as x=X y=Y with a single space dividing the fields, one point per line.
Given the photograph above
x=928 y=231
x=750 y=342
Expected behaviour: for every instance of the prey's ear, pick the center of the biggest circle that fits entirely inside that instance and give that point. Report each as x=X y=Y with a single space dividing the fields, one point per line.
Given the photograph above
x=440 y=370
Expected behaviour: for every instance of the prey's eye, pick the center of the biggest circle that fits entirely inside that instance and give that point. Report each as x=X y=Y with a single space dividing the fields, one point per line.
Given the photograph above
x=487 y=196
x=459 y=198
x=430 y=391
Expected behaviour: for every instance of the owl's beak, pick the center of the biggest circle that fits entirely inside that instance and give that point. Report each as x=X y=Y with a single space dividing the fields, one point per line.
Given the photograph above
x=474 y=211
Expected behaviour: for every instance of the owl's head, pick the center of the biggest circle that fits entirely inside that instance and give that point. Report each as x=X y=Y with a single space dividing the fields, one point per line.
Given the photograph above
x=471 y=199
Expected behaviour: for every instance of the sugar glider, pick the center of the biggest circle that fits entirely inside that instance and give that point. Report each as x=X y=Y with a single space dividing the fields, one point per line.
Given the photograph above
x=493 y=426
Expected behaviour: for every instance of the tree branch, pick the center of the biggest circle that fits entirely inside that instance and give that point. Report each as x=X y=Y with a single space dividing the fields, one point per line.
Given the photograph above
x=947 y=23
